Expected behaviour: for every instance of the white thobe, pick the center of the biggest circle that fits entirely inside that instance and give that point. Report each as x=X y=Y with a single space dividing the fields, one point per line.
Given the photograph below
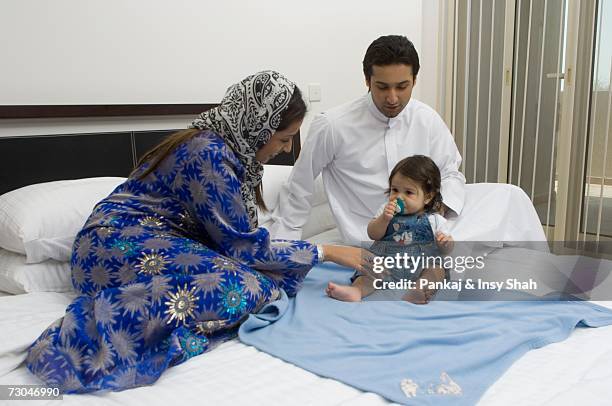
x=355 y=147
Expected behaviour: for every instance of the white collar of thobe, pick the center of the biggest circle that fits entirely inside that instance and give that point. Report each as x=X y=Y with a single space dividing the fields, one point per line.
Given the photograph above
x=390 y=122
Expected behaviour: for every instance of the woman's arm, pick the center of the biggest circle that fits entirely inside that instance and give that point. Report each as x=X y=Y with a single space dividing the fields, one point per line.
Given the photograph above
x=210 y=188
x=352 y=257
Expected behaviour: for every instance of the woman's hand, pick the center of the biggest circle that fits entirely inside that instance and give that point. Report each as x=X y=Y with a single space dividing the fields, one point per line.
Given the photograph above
x=357 y=258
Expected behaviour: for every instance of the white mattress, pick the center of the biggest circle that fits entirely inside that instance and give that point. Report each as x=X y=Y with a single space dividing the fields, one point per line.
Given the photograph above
x=231 y=374
x=575 y=371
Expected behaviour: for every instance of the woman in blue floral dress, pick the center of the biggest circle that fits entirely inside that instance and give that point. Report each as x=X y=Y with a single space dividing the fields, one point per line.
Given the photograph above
x=172 y=261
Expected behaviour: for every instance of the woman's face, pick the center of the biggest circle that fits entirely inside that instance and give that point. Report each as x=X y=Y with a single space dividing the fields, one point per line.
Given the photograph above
x=280 y=141
x=410 y=192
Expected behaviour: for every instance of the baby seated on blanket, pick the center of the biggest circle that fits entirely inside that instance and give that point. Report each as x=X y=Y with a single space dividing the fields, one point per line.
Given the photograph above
x=407 y=224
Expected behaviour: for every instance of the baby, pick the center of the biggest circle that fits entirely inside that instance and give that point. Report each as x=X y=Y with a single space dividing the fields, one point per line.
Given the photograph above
x=407 y=223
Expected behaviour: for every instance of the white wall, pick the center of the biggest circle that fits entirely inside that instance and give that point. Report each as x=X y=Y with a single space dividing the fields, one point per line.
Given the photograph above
x=429 y=80
x=188 y=51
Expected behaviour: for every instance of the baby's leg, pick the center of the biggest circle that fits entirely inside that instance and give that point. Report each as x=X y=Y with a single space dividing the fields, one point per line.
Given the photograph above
x=360 y=288
x=424 y=295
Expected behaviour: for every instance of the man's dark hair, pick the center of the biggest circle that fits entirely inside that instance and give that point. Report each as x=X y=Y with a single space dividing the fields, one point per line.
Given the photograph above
x=390 y=50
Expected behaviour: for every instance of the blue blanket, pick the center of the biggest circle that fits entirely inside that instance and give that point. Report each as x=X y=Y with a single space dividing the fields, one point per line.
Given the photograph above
x=446 y=352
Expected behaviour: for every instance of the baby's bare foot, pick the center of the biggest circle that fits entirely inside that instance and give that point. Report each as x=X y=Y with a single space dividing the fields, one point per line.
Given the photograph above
x=416 y=296
x=343 y=292
x=423 y=295
x=433 y=274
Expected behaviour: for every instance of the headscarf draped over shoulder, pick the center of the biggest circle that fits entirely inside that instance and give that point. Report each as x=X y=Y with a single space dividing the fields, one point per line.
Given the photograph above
x=247 y=117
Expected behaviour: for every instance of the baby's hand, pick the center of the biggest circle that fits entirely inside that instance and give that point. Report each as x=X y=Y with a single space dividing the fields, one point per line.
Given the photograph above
x=445 y=241
x=390 y=210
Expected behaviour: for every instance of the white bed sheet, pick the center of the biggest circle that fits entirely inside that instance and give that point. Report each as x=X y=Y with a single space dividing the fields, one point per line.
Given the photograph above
x=496 y=212
x=575 y=371
x=231 y=374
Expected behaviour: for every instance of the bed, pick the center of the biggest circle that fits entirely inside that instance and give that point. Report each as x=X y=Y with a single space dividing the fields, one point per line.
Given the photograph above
x=576 y=370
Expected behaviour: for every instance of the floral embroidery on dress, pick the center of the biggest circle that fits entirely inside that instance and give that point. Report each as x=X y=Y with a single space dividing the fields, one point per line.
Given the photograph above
x=181 y=304
x=151 y=221
x=233 y=299
x=125 y=247
x=152 y=264
x=193 y=345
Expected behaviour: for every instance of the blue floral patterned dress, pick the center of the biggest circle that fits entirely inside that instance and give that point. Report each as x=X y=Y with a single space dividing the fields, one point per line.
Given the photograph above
x=165 y=267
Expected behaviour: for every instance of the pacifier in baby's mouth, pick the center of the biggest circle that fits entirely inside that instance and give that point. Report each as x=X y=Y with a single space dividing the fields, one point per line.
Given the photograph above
x=400 y=206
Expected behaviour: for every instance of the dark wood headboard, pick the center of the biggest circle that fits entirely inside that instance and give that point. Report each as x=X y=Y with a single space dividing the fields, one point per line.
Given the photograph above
x=26 y=160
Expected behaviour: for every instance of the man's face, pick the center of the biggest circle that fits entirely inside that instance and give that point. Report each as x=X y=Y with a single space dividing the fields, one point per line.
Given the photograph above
x=391 y=87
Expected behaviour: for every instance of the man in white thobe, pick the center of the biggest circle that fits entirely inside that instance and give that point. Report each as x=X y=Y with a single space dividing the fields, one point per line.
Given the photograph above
x=355 y=146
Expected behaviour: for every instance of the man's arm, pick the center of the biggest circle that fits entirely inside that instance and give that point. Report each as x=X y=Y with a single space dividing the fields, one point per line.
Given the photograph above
x=446 y=155
x=296 y=194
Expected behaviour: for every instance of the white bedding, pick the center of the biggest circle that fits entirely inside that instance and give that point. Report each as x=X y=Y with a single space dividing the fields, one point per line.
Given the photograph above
x=575 y=371
x=231 y=374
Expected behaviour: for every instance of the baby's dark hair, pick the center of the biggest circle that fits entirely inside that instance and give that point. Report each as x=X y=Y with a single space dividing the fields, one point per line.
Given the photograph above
x=422 y=170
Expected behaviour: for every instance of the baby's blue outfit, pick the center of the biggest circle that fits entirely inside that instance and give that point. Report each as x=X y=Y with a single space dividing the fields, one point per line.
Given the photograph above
x=407 y=233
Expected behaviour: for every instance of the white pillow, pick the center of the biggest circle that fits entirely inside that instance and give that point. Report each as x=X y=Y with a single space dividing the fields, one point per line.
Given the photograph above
x=273 y=178
x=320 y=220
x=42 y=220
x=16 y=276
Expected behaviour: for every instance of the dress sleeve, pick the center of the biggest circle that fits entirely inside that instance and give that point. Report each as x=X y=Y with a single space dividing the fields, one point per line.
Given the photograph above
x=210 y=189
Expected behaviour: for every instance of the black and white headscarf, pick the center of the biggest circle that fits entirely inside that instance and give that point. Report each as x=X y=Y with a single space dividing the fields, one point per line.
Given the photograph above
x=247 y=117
